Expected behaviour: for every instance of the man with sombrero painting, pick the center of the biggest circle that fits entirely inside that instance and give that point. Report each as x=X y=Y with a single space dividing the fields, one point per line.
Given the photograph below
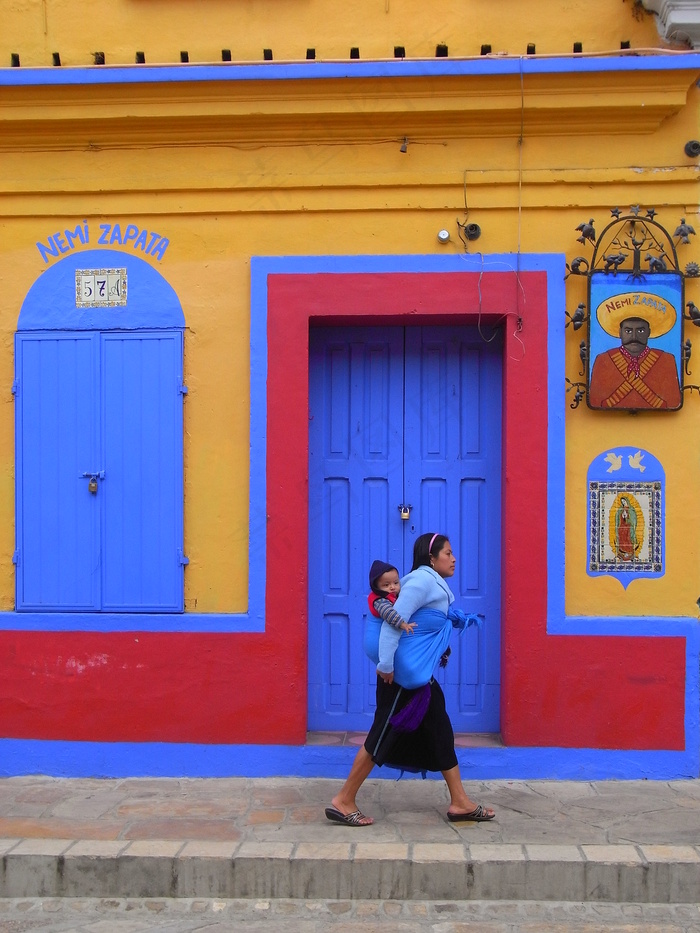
x=634 y=375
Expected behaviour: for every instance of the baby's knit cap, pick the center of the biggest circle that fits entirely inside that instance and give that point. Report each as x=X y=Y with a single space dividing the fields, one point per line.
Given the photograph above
x=375 y=571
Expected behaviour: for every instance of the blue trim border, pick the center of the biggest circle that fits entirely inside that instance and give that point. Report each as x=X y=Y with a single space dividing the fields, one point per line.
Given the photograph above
x=158 y=759
x=390 y=68
x=151 y=302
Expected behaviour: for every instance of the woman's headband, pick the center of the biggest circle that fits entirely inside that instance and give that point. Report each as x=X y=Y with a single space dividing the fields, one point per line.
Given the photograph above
x=432 y=542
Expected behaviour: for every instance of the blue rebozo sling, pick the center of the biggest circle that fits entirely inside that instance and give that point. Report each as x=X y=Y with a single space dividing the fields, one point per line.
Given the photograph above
x=418 y=655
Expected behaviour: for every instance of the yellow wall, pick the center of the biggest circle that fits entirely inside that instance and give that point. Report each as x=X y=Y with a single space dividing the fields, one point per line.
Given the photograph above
x=322 y=173
x=37 y=28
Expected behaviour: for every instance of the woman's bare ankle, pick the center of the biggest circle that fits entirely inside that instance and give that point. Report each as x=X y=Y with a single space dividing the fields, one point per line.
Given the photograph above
x=345 y=806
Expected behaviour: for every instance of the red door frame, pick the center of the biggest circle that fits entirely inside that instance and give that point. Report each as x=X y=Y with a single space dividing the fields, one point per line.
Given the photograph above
x=578 y=691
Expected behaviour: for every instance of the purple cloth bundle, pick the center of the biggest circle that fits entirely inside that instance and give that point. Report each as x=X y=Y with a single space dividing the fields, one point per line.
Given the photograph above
x=411 y=716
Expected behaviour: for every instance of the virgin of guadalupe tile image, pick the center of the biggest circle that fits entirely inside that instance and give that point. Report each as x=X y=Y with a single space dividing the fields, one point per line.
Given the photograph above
x=625 y=515
x=626 y=533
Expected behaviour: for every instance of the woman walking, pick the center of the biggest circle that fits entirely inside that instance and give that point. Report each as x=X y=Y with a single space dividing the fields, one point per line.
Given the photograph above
x=411 y=729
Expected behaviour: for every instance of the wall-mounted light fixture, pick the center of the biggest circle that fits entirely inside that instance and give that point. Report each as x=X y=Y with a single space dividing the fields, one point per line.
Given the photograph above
x=472 y=231
x=468 y=233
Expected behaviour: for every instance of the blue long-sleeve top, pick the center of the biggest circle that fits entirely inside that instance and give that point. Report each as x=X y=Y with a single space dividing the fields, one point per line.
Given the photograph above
x=413 y=658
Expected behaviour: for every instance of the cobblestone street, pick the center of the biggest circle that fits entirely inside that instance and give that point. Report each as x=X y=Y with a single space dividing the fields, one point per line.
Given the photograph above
x=113 y=915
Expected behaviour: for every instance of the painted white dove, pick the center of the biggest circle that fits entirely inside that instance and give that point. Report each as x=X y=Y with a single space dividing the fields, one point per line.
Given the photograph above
x=636 y=461
x=615 y=461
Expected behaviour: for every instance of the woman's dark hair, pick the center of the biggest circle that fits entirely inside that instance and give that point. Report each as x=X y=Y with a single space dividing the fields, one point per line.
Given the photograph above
x=422 y=552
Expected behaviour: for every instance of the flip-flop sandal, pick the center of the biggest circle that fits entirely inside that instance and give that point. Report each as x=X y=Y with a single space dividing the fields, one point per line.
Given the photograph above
x=348 y=819
x=478 y=815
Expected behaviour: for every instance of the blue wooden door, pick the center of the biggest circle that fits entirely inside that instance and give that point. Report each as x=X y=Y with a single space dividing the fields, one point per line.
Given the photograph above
x=107 y=408
x=402 y=416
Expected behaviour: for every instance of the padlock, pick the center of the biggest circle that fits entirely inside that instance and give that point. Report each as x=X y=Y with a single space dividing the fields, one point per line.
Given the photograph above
x=405 y=511
x=92 y=485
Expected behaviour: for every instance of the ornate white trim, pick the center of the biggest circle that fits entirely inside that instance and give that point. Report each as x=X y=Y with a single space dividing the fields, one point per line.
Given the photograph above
x=678 y=20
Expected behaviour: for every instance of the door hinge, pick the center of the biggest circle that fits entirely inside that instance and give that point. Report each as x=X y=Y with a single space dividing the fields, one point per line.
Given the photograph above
x=181 y=557
x=15 y=557
x=183 y=388
x=15 y=387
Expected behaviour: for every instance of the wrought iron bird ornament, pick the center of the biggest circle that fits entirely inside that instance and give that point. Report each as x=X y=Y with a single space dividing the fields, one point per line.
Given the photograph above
x=684 y=231
x=578 y=318
x=587 y=232
x=693 y=313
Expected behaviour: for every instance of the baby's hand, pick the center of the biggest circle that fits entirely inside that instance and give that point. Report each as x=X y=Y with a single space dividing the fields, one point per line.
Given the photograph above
x=408 y=627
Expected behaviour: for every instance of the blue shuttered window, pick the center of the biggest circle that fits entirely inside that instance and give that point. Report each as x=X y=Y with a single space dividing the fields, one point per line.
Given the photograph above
x=99 y=471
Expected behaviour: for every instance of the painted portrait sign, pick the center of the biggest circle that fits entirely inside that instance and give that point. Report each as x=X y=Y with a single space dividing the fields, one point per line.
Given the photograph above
x=635 y=341
x=626 y=487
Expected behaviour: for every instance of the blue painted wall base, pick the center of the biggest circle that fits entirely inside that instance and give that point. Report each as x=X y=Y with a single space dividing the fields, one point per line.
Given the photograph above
x=135 y=759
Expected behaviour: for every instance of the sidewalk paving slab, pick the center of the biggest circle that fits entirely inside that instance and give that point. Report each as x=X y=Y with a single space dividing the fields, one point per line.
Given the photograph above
x=600 y=841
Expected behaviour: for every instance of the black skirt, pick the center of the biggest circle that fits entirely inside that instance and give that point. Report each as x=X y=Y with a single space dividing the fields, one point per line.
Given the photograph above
x=431 y=747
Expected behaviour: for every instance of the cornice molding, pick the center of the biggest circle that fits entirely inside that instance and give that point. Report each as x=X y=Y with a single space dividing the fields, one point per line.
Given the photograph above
x=678 y=20
x=336 y=110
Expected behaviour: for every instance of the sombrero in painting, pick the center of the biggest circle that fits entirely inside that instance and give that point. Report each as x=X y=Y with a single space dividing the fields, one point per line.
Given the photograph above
x=658 y=312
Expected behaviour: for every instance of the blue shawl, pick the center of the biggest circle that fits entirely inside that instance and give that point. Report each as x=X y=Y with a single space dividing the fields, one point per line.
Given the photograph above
x=417 y=655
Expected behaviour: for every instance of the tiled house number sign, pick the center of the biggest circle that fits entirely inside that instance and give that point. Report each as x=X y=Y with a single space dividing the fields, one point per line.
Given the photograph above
x=100 y=288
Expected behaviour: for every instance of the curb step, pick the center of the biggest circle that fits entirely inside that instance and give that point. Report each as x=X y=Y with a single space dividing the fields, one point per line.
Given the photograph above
x=349 y=870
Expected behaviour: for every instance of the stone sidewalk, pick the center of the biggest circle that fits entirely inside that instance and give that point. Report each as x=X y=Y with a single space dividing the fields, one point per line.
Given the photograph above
x=602 y=841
